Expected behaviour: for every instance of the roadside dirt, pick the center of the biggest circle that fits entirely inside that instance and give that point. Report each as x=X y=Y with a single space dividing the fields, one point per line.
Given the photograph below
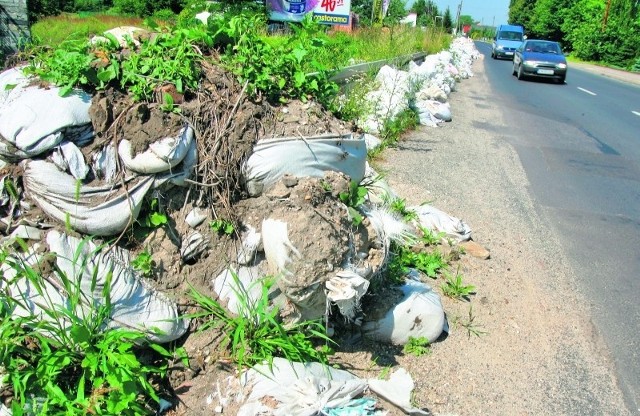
x=539 y=353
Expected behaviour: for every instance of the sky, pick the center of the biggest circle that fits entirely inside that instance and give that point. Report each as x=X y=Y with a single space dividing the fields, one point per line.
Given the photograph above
x=484 y=11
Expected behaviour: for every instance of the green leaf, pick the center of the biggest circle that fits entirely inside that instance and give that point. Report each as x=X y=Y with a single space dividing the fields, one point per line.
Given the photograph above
x=80 y=334
x=299 y=78
x=157 y=219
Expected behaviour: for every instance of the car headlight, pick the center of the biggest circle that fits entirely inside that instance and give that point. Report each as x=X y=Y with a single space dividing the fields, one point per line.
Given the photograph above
x=562 y=66
x=499 y=47
x=531 y=63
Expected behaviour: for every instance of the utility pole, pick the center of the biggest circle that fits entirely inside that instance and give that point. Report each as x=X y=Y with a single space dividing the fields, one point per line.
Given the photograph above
x=606 y=16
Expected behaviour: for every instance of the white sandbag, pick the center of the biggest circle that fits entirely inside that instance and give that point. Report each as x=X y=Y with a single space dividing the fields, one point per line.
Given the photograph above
x=311 y=389
x=105 y=163
x=33 y=120
x=236 y=285
x=431 y=91
x=123 y=34
x=419 y=314
x=372 y=141
x=203 y=17
x=435 y=220
x=161 y=156
x=133 y=305
x=388 y=226
x=304 y=157
x=180 y=175
x=397 y=390
x=345 y=290
x=439 y=110
x=69 y=157
x=251 y=240
x=195 y=217
x=94 y=210
x=278 y=249
x=425 y=118
x=192 y=246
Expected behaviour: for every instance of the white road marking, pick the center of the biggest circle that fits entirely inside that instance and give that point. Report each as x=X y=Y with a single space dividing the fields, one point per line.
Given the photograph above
x=587 y=91
x=636 y=113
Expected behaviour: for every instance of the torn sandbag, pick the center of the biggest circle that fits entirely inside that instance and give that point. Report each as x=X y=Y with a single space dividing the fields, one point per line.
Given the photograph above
x=95 y=210
x=388 y=226
x=105 y=163
x=193 y=245
x=124 y=35
x=303 y=157
x=433 y=219
x=312 y=389
x=251 y=240
x=68 y=157
x=161 y=156
x=345 y=290
x=397 y=390
x=33 y=120
x=133 y=305
x=180 y=175
x=88 y=268
x=237 y=286
x=419 y=314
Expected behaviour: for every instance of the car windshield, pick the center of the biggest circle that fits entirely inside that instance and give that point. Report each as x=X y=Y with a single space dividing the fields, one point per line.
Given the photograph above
x=543 y=47
x=506 y=35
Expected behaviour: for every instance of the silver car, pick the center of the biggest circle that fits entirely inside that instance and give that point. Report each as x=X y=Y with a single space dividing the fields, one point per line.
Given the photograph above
x=540 y=58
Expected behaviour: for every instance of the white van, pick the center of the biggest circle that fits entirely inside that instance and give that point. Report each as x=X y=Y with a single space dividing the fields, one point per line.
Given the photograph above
x=507 y=39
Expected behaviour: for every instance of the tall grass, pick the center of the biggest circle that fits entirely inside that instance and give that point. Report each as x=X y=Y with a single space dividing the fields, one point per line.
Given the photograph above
x=54 y=30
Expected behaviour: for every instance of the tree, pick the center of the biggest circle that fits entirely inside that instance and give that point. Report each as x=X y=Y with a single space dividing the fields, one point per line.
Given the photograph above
x=447 y=22
x=548 y=16
x=521 y=12
x=395 y=12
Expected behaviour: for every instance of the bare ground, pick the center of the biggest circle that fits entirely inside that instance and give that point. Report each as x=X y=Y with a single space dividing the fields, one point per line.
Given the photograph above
x=540 y=354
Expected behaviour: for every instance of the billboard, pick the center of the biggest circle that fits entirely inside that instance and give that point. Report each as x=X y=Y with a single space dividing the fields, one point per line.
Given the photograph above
x=330 y=12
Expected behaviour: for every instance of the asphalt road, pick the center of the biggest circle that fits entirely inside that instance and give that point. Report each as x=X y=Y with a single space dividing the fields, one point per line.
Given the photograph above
x=579 y=144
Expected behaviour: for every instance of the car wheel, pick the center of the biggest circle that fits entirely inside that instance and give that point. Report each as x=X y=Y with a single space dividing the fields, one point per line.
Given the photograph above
x=561 y=80
x=513 y=70
x=493 y=55
x=520 y=75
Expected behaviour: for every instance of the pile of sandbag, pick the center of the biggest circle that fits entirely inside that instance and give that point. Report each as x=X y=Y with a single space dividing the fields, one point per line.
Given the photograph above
x=49 y=157
x=424 y=87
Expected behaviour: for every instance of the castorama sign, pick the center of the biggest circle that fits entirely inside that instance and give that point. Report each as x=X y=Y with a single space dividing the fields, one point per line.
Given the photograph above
x=330 y=12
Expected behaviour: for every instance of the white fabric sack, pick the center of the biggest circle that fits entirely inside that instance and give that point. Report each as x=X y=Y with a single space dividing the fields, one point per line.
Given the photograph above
x=439 y=110
x=419 y=314
x=105 y=163
x=180 y=175
x=433 y=219
x=397 y=390
x=309 y=157
x=310 y=388
x=94 y=210
x=123 y=34
x=69 y=157
x=33 y=120
x=161 y=156
x=245 y=284
x=134 y=306
x=388 y=226
x=345 y=290
x=278 y=248
x=431 y=92
x=251 y=240
x=372 y=141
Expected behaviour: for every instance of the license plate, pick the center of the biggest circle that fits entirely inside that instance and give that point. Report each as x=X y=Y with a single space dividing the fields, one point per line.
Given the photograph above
x=545 y=71
x=509 y=53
